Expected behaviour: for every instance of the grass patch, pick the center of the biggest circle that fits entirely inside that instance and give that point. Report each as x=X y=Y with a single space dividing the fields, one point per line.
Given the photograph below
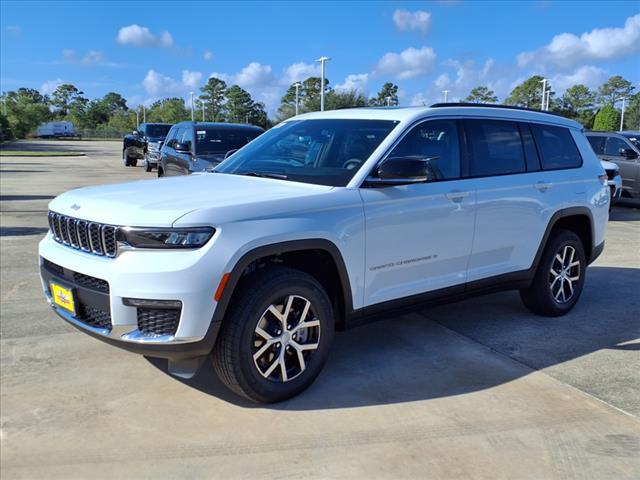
x=39 y=153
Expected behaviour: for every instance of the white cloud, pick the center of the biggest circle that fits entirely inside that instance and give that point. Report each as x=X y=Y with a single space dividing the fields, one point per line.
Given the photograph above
x=443 y=81
x=93 y=57
x=157 y=84
x=14 y=30
x=139 y=36
x=587 y=75
x=191 y=79
x=409 y=63
x=50 y=86
x=567 y=50
x=208 y=55
x=298 y=72
x=405 y=20
x=254 y=75
x=355 y=81
x=420 y=100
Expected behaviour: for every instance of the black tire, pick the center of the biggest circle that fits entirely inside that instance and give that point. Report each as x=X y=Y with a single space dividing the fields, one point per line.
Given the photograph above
x=127 y=160
x=160 y=172
x=147 y=166
x=554 y=294
x=233 y=355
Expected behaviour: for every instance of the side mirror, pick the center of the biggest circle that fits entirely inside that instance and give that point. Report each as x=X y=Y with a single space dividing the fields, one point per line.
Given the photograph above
x=136 y=133
x=628 y=153
x=230 y=152
x=182 y=148
x=401 y=171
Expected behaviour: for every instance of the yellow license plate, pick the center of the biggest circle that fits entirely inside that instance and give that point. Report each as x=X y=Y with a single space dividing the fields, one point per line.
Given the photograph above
x=63 y=297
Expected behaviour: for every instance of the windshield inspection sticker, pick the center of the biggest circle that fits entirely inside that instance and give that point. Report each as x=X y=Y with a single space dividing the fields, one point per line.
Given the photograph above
x=201 y=132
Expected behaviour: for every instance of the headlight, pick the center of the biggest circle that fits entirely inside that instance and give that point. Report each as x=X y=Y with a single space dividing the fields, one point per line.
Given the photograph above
x=165 y=237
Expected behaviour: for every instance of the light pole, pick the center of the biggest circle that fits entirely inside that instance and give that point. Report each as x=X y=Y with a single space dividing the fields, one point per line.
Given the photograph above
x=549 y=92
x=446 y=94
x=191 y=93
x=204 y=105
x=544 y=93
x=622 y=116
x=388 y=99
x=322 y=61
x=297 y=85
x=144 y=114
x=137 y=119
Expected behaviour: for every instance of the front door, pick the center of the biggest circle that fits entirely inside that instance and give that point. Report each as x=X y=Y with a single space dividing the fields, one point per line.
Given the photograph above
x=418 y=237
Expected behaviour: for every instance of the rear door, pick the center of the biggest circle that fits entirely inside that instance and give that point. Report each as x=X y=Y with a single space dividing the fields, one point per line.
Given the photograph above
x=418 y=237
x=514 y=196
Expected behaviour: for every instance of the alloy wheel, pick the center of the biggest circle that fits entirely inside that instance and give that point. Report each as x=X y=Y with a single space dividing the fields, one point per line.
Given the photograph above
x=564 y=274
x=285 y=337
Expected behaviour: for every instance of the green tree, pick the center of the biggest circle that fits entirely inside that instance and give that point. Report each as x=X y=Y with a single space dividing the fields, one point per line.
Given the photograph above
x=114 y=103
x=214 y=96
x=168 y=110
x=6 y=133
x=240 y=105
x=64 y=96
x=26 y=109
x=607 y=119
x=258 y=115
x=309 y=98
x=388 y=95
x=578 y=103
x=614 y=89
x=481 y=94
x=632 y=113
x=528 y=94
x=345 y=99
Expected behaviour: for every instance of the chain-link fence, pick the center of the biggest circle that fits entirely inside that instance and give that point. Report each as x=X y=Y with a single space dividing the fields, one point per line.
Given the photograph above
x=101 y=134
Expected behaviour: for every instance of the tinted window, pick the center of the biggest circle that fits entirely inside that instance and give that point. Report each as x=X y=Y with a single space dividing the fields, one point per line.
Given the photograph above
x=614 y=145
x=635 y=139
x=556 y=147
x=221 y=140
x=437 y=143
x=597 y=143
x=171 y=137
x=187 y=137
x=321 y=151
x=156 y=130
x=495 y=148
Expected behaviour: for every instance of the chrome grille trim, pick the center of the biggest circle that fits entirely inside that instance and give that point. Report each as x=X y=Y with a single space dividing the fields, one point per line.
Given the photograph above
x=91 y=237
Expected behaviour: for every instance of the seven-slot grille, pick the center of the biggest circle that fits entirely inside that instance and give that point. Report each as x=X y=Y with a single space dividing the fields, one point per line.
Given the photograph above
x=91 y=237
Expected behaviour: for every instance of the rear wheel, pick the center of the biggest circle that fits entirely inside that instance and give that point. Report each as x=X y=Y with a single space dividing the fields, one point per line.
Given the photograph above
x=147 y=166
x=276 y=336
x=559 y=279
x=127 y=160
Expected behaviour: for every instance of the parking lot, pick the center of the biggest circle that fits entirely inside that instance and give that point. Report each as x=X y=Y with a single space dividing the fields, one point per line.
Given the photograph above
x=476 y=389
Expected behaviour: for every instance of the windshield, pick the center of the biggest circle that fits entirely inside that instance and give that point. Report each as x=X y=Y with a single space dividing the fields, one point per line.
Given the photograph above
x=157 y=130
x=221 y=140
x=324 y=152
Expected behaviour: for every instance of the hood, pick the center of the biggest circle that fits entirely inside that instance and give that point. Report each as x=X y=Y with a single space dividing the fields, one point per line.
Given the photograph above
x=214 y=158
x=160 y=202
x=607 y=165
x=155 y=139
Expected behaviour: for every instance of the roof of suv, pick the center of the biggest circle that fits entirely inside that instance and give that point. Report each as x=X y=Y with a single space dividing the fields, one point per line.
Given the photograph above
x=409 y=114
x=220 y=125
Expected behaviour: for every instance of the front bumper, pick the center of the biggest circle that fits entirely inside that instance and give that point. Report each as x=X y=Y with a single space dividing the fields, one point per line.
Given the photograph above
x=152 y=157
x=151 y=275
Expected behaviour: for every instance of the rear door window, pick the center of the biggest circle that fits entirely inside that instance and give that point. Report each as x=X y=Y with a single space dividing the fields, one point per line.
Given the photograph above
x=494 y=147
x=597 y=143
x=556 y=147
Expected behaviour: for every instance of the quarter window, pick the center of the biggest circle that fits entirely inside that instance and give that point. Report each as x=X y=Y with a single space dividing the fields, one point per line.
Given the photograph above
x=437 y=143
x=495 y=148
x=556 y=146
x=614 y=145
x=597 y=143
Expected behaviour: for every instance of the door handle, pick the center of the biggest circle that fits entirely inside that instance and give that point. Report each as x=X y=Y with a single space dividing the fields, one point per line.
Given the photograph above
x=457 y=196
x=543 y=186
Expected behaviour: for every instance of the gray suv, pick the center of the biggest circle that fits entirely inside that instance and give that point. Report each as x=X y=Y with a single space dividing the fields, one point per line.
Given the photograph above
x=621 y=150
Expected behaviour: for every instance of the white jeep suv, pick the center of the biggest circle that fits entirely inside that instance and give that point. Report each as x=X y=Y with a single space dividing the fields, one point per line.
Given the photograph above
x=324 y=219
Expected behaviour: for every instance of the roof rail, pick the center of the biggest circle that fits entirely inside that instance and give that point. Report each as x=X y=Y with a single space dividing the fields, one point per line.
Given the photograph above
x=493 y=105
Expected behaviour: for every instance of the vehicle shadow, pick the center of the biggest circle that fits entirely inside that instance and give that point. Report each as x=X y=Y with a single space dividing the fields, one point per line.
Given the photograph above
x=21 y=231
x=15 y=198
x=459 y=348
x=42 y=146
x=628 y=210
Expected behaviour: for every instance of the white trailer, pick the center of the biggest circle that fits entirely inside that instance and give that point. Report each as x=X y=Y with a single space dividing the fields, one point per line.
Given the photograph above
x=56 y=129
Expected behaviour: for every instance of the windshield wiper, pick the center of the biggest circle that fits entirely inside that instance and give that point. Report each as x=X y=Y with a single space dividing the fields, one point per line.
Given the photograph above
x=279 y=176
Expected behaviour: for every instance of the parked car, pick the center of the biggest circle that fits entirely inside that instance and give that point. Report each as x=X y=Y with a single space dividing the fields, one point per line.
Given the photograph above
x=621 y=150
x=144 y=144
x=633 y=137
x=327 y=218
x=57 y=129
x=199 y=146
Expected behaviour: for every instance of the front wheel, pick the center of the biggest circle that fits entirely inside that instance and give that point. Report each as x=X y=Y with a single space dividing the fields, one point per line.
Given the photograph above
x=559 y=278
x=276 y=335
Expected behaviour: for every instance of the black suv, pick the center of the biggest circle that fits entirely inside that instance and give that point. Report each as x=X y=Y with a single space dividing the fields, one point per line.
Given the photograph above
x=199 y=146
x=144 y=143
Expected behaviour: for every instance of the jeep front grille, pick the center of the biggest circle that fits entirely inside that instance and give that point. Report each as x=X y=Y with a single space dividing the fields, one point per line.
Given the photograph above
x=90 y=237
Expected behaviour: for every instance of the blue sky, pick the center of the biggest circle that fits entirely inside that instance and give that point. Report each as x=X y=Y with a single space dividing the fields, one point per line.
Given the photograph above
x=150 y=50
